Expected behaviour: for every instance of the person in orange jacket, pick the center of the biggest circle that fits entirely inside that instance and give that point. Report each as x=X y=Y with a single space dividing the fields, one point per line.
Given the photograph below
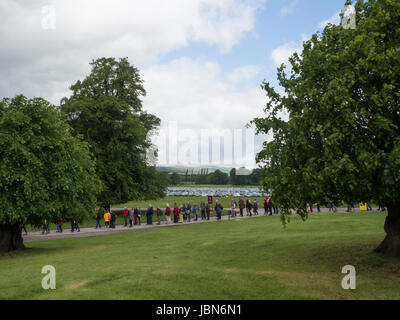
x=107 y=218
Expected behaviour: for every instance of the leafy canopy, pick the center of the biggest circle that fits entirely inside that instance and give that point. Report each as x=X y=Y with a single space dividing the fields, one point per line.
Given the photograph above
x=106 y=109
x=45 y=172
x=341 y=139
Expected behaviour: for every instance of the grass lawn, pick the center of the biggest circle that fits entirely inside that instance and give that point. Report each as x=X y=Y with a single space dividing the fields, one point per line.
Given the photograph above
x=244 y=259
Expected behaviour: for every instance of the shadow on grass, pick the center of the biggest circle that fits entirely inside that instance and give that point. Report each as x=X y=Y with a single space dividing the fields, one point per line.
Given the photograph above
x=32 y=252
x=358 y=253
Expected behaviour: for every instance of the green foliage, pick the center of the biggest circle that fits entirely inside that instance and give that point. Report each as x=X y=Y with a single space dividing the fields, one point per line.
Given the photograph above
x=342 y=98
x=255 y=178
x=106 y=109
x=175 y=179
x=218 y=177
x=45 y=172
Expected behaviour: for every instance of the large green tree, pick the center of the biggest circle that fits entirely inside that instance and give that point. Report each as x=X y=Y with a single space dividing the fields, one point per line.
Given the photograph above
x=175 y=179
x=45 y=172
x=218 y=177
x=340 y=138
x=106 y=108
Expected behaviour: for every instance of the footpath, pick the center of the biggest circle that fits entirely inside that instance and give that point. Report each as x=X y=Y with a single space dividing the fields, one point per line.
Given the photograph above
x=91 y=232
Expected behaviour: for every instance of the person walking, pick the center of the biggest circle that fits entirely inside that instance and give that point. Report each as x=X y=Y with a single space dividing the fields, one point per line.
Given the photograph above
x=181 y=212
x=203 y=210
x=59 y=226
x=189 y=211
x=241 y=206
x=249 y=207
x=233 y=206
x=168 y=214
x=184 y=212
x=349 y=207
x=265 y=204
x=135 y=215
x=126 y=215
x=176 y=213
x=107 y=218
x=159 y=215
x=131 y=217
x=113 y=219
x=208 y=211
x=46 y=228
x=98 y=218
x=149 y=215
x=369 y=207
x=269 y=206
x=139 y=216
x=255 y=207
x=276 y=209
x=196 y=212
x=218 y=210
x=75 y=226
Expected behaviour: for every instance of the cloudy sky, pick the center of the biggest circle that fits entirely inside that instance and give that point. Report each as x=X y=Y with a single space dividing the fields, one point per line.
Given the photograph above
x=202 y=60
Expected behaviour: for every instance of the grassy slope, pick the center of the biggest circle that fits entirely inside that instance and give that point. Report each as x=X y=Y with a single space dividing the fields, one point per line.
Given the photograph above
x=245 y=259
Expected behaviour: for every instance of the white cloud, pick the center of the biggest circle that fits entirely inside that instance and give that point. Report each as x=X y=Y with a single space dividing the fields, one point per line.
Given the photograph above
x=193 y=93
x=289 y=8
x=282 y=53
x=335 y=19
x=40 y=62
x=244 y=73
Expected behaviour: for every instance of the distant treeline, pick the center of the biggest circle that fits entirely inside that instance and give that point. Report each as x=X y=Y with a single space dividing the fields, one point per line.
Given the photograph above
x=217 y=177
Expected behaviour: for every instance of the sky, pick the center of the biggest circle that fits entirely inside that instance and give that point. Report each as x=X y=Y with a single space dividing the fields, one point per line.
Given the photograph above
x=202 y=61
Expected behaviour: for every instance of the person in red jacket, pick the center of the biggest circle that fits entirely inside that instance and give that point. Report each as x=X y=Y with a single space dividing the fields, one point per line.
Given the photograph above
x=168 y=214
x=126 y=214
x=176 y=213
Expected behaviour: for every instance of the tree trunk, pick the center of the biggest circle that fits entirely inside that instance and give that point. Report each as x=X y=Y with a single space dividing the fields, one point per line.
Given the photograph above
x=10 y=238
x=390 y=246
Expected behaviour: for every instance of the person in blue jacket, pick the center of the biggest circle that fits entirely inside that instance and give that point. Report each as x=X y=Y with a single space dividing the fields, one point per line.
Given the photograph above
x=255 y=207
x=196 y=211
x=218 y=210
x=139 y=216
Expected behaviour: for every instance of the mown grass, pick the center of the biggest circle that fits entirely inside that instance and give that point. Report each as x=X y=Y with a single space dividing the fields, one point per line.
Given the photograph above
x=242 y=259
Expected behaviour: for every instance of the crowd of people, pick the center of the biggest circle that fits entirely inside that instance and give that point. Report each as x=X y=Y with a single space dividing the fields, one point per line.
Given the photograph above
x=185 y=212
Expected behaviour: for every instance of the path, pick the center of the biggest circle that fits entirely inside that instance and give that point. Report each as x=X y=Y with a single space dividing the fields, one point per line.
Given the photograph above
x=91 y=232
